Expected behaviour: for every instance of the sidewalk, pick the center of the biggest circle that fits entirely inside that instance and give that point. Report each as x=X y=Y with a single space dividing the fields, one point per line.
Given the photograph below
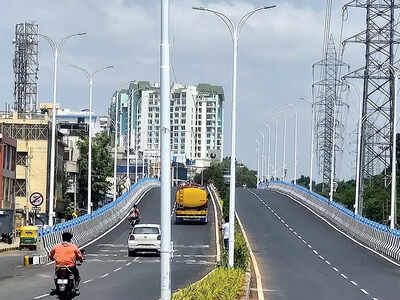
x=10 y=247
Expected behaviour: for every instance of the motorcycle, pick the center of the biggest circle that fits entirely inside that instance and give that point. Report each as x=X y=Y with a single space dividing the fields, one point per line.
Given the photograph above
x=65 y=283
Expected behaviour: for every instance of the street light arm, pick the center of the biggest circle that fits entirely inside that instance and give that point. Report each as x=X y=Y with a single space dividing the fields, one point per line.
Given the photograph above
x=224 y=18
x=61 y=43
x=244 y=19
x=87 y=73
x=49 y=40
x=102 y=69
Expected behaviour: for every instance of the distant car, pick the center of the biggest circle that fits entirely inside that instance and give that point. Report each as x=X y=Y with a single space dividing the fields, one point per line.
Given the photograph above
x=144 y=238
x=244 y=186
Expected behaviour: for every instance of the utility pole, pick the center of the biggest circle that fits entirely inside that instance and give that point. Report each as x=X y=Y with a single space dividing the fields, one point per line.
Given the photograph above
x=165 y=155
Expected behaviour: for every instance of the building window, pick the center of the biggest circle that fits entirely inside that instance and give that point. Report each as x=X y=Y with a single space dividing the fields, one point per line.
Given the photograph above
x=20 y=188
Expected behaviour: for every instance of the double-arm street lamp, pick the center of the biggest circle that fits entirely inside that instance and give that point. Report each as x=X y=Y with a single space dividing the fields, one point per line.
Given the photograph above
x=56 y=46
x=268 y=131
x=90 y=76
x=234 y=30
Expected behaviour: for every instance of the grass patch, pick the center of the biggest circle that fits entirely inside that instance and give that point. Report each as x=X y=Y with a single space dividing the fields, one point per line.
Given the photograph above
x=223 y=283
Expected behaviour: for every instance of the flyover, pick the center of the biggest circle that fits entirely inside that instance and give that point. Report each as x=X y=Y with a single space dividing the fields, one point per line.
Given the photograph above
x=108 y=272
x=301 y=256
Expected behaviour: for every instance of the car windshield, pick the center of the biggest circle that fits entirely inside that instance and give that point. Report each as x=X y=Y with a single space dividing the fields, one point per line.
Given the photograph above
x=146 y=230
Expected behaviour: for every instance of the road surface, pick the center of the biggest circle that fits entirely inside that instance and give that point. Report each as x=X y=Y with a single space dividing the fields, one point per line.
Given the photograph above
x=301 y=257
x=108 y=272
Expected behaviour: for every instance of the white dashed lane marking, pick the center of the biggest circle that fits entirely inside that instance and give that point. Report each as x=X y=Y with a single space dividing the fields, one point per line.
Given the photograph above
x=309 y=245
x=104 y=275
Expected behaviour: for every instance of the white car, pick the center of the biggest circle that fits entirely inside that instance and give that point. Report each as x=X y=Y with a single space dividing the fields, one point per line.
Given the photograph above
x=144 y=238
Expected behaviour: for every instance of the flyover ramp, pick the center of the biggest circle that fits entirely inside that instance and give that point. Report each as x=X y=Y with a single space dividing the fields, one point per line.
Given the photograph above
x=108 y=272
x=302 y=257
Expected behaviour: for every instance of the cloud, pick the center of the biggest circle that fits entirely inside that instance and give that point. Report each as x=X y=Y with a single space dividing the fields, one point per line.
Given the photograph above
x=276 y=50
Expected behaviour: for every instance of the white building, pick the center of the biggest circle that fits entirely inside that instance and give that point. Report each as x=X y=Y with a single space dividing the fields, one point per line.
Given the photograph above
x=196 y=116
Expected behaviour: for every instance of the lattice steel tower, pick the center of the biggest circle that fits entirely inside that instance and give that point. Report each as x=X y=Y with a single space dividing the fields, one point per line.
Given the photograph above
x=329 y=107
x=377 y=125
x=26 y=67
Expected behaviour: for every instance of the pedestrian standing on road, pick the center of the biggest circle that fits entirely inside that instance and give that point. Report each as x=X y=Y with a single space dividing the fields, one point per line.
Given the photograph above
x=225 y=228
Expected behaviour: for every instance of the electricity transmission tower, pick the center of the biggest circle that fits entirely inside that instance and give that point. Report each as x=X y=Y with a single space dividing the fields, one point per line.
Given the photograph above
x=26 y=67
x=330 y=109
x=377 y=123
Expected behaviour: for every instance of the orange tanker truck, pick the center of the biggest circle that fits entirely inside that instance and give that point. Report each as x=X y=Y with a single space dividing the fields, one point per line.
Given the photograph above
x=191 y=204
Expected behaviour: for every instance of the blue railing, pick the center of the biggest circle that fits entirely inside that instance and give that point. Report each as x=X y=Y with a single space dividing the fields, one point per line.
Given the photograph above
x=340 y=207
x=82 y=219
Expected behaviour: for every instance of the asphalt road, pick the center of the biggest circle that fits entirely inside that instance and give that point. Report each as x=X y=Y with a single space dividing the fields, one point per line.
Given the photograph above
x=108 y=272
x=301 y=257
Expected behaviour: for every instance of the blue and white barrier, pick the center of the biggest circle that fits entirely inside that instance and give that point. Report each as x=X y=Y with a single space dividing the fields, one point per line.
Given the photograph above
x=376 y=236
x=88 y=227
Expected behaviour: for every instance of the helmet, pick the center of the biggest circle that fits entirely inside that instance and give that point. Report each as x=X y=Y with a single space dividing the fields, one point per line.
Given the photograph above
x=67 y=236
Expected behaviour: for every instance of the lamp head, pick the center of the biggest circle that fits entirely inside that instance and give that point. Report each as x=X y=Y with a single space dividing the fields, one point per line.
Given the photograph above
x=270 y=6
x=199 y=8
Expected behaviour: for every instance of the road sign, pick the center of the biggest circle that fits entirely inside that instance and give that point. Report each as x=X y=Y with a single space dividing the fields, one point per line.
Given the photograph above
x=36 y=199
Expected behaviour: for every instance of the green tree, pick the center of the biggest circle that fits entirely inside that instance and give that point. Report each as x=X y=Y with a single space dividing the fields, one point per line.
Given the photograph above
x=102 y=168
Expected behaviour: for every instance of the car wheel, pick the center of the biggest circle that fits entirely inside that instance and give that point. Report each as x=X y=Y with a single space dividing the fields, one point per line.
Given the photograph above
x=131 y=253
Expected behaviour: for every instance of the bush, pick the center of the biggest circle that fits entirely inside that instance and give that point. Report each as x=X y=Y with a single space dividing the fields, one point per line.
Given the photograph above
x=223 y=283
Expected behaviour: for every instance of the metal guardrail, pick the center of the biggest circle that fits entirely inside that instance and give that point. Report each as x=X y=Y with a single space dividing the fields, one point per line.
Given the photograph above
x=88 y=227
x=376 y=236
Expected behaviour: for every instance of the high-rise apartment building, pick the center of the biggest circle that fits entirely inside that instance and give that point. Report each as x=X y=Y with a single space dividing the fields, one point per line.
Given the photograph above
x=196 y=116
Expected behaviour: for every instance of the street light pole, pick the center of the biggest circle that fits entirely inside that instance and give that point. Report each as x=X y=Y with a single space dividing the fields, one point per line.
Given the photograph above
x=276 y=145
x=90 y=76
x=234 y=30
x=295 y=153
x=269 y=150
x=165 y=155
x=312 y=140
x=333 y=156
x=262 y=155
x=56 y=46
x=284 y=152
x=115 y=147
x=258 y=162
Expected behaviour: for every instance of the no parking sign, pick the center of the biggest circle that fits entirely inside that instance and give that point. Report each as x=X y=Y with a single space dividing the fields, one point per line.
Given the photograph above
x=36 y=199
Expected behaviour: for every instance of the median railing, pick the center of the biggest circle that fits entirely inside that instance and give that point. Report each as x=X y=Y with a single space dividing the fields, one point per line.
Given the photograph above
x=376 y=236
x=88 y=227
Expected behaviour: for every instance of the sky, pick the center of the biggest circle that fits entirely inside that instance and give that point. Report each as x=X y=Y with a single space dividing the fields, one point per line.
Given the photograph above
x=276 y=51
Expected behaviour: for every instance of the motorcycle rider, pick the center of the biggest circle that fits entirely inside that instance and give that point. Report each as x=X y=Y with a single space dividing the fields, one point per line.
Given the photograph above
x=65 y=254
x=137 y=211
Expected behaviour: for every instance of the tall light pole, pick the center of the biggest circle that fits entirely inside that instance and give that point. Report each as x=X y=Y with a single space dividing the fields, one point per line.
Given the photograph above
x=90 y=76
x=129 y=134
x=56 y=46
x=269 y=149
x=276 y=146
x=115 y=147
x=295 y=152
x=284 y=151
x=234 y=30
x=165 y=155
x=312 y=140
x=262 y=154
x=333 y=156
x=258 y=162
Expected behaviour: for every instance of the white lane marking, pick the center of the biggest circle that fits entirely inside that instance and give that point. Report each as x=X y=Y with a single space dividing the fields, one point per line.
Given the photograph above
x=218 y=250
x=41 y=296
x=315 y=252
x=105 y=275
x=128 y=264
x=364 y=291
x=340 y=231
x=117 y=269
x=87 y=281
x=111 y=229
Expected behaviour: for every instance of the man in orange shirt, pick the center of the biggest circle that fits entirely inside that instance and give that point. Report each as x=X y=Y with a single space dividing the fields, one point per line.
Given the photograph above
x=65 y=254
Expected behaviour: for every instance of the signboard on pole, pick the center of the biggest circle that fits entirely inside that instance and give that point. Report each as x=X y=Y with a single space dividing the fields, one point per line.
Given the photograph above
x=36 y=199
